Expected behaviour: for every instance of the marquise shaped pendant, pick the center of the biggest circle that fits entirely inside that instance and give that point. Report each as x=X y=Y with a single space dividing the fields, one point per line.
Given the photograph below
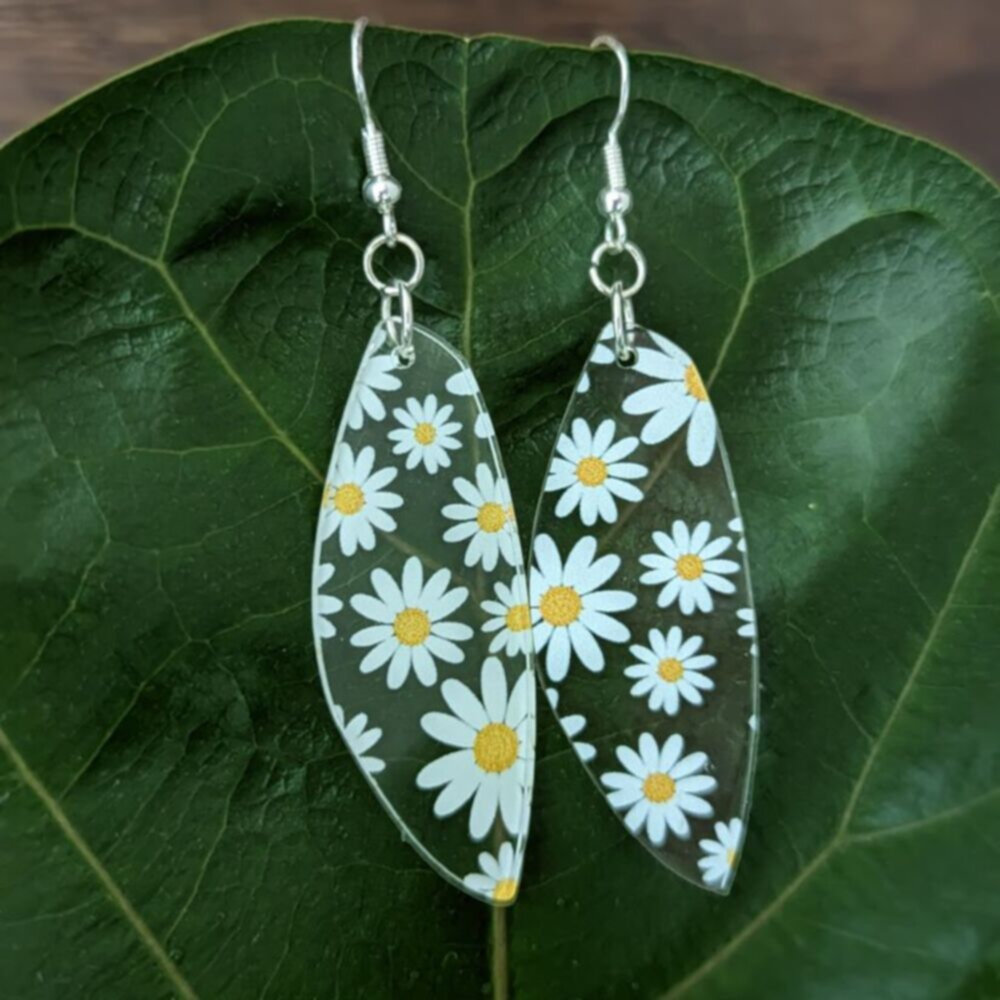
x=642 y=609
x=420 y=614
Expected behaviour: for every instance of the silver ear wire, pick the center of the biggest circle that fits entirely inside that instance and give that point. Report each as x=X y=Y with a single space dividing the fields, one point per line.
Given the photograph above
x=616 y=199
x=357 y=71
x=382 y=191
x=614 y=203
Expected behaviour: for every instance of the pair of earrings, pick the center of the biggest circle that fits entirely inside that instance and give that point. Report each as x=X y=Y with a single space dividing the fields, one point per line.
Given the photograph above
x=637 y=606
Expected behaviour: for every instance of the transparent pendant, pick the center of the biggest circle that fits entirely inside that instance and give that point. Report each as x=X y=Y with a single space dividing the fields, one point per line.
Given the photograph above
x=420 y=614
x=642 y=610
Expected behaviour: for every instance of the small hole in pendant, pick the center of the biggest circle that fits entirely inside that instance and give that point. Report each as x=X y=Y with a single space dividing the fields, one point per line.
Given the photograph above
x=404 y=359
x=628 y=359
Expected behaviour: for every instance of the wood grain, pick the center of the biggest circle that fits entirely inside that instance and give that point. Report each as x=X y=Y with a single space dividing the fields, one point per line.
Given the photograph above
x=927 y=66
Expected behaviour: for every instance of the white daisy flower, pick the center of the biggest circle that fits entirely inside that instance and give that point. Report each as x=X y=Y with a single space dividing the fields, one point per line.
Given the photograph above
x=677 y=397
x=510 y=617
x=572 y=726
x=360 y=739
x=324 y=605
x=426 y=433
x=568 y=610
x=689 y=566
x=412 y=629
x=588 y=468
x=660 y=788
x=486 y=519
x=374 y=376
x=497 y=877
x=602 y=354
x=736 y=527
x=719 y=856
x=670 y=669
x=753 y=723
x=356 y=501
x=748 y=628
x=491 y=735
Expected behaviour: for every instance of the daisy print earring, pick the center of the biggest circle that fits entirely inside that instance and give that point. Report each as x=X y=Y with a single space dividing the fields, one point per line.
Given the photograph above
x=420 y=616
x=639 y=589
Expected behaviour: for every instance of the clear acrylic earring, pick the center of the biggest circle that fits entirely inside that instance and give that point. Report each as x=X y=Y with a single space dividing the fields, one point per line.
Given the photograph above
x=640 y=589
x=420 y=615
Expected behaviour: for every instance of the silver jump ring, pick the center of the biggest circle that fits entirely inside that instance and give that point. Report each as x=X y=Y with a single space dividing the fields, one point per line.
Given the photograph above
x=390 y=288
x=623 y=324
x=399 y=327
x=637 y=258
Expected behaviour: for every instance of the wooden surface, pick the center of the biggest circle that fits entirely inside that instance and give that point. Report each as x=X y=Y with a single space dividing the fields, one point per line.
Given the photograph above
x=931 y=67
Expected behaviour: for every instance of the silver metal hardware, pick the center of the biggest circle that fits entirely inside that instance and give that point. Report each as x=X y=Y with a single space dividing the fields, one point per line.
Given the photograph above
x=382 y=191
x=399 y=326
x=610 y=248
x=387 y=288
x=614 y=203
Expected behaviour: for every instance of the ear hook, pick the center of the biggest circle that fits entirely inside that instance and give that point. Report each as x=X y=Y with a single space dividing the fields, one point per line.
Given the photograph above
x=610 y=42
x=614 y=203
x=380 y=189
x=357 y=70
x=615 y=200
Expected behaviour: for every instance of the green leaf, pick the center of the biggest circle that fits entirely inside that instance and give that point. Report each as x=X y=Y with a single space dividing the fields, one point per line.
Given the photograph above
x=182 y=311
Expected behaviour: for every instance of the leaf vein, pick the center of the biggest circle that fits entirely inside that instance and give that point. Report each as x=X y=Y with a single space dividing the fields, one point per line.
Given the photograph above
x=200 y=328
x=170 y=970
x=840 y=836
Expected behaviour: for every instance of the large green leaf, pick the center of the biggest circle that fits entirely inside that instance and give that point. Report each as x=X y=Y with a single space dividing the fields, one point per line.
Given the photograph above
x=181 y=311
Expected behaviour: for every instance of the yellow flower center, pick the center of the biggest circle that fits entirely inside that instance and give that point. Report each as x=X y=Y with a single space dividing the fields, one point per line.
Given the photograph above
x=424 y=433
x=693 y=383
x=518 y=617
x=505 y=890
x=495 y=749
x=659 y=787
x=560 y=606
x=730 y=857
x=491 y=518
x=671 y=670
x=347 y=499
x=591 y=471
x=411 y=626
x=690 y=567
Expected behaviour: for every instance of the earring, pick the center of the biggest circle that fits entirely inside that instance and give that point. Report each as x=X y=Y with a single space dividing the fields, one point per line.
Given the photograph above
x=420 y=616
x=640 y=588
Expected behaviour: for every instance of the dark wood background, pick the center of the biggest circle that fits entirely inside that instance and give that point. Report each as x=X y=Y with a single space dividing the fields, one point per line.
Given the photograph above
x=930 y=66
